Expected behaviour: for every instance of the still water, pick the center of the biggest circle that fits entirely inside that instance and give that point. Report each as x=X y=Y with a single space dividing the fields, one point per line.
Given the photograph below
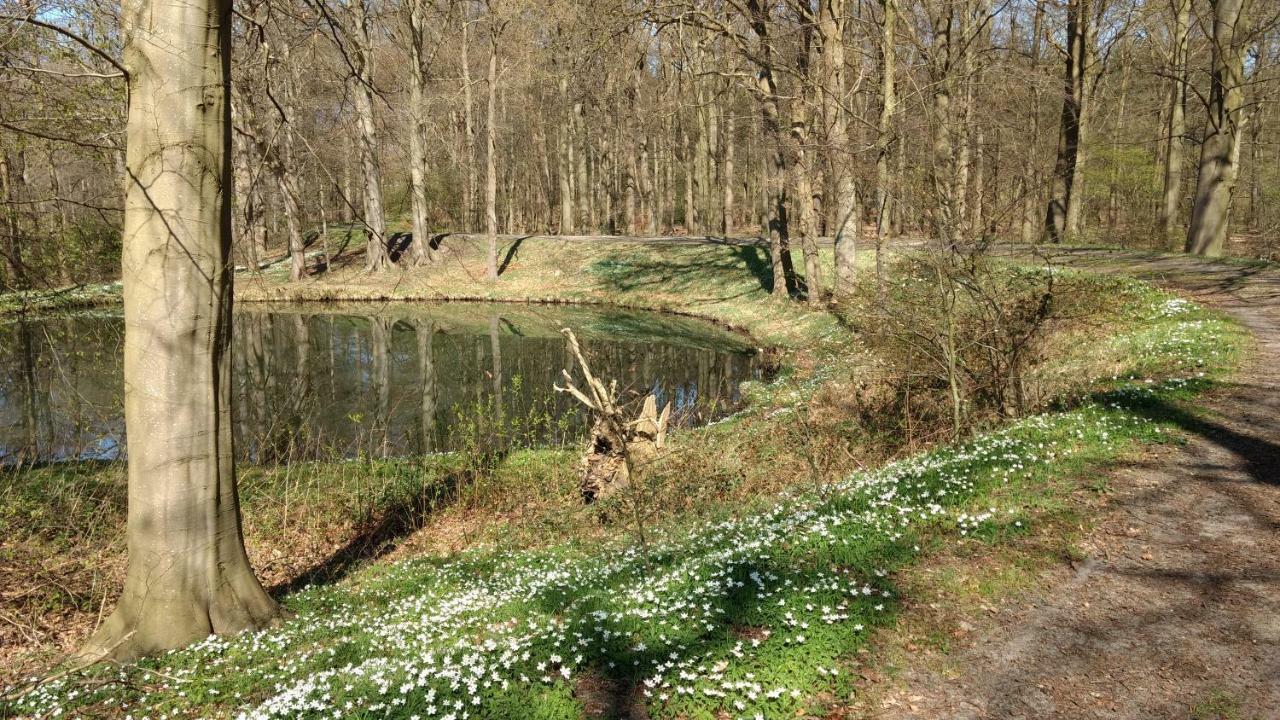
x=380 y=380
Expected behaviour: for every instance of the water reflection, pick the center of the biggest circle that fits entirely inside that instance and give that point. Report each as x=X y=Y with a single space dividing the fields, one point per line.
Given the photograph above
x=380 y=381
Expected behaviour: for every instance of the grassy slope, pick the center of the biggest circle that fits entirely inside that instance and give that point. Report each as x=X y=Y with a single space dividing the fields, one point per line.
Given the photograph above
x=717 y=282
x=756 y=607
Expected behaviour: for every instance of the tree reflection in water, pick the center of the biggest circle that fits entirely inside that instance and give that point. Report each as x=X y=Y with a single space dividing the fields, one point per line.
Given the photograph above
x=385 y=380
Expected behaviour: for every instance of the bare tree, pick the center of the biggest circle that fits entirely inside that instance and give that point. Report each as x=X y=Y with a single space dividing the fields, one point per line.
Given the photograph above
x=1176 y=129
x=885 y=142
x=491 y=142
x=1220 y=149
x=188 y=573
x=418 y=22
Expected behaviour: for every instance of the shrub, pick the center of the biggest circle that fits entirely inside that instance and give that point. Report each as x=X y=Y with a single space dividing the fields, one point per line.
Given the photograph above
x=957 y=339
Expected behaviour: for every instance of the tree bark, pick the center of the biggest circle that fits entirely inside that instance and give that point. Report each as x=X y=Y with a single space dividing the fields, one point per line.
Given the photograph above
x=282 y=159
x=249 y=232
x=426 y=330
x=885 y=144
x=420 y=249
x=1031 y=171
x=842 y=191
x=582 y=184
x=491 y=158
x=1176 y=127
x=17 y=278
x=375 y=221
x=776 y=165
x=1062 y=217
x=564 y=161
x=943 y=161
x=469 y=129
x=188 y=574
x=726 y=198
x=1220 y=150
x=802 y=169
x=380 y=351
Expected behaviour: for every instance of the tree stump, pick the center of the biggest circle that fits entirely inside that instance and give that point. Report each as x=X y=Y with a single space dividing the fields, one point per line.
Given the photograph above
x=618 y=449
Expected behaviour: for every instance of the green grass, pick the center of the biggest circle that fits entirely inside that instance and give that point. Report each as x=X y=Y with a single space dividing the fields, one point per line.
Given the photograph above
x=1218 y=705
x=749 y=608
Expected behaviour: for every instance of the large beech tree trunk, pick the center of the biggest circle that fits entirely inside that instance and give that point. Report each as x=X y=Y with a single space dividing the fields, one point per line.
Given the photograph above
x=1220 y=151
x=188 y=575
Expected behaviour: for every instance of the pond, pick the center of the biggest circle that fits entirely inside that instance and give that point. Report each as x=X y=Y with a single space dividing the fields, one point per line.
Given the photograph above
x=386 y=379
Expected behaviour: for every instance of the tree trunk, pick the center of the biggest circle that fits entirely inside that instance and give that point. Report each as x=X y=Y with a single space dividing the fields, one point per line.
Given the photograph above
x=1257 y=116
x=426 y=331
x=885 y=145
x=380 y=353
x=276 y=161
x=842 y=190
x=282 y=168
x=726 y=198
x=491 y=159
x=13 y=242
x=564 y=161
x=579 y=147
x=188 y=574
x=249 y=232
x=468 y=129
x=776 y=165
x=1176 y=127
x=1063 y=214
x=375 y=222
x=1220 y=150
x=1031 y=171
x=420 y=248
x=943 y=161
x=802 y=170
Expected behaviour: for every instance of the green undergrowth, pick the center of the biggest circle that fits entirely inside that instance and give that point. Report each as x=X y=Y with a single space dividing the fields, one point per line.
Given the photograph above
x=748 y=609
x=78 y=297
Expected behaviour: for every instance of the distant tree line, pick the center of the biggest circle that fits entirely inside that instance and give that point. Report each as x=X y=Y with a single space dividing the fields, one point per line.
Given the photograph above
x=1145 y=123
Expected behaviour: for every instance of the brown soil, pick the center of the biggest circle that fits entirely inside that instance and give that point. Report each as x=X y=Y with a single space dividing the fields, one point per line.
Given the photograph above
x=1175 y=611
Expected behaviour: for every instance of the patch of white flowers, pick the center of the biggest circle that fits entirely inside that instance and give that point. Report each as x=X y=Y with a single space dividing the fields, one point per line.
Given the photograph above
x=480 y=628
x=1173 y=307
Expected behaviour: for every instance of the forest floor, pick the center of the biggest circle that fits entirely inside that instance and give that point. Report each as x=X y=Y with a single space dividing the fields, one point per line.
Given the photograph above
x=1173 y=608
x=1074 y=580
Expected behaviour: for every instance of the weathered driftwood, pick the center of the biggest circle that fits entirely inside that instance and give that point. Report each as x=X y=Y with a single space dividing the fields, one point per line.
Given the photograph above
x=618 y=450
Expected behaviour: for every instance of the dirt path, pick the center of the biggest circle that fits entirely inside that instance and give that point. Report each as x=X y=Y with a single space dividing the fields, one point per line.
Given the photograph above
x=1176 y=613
